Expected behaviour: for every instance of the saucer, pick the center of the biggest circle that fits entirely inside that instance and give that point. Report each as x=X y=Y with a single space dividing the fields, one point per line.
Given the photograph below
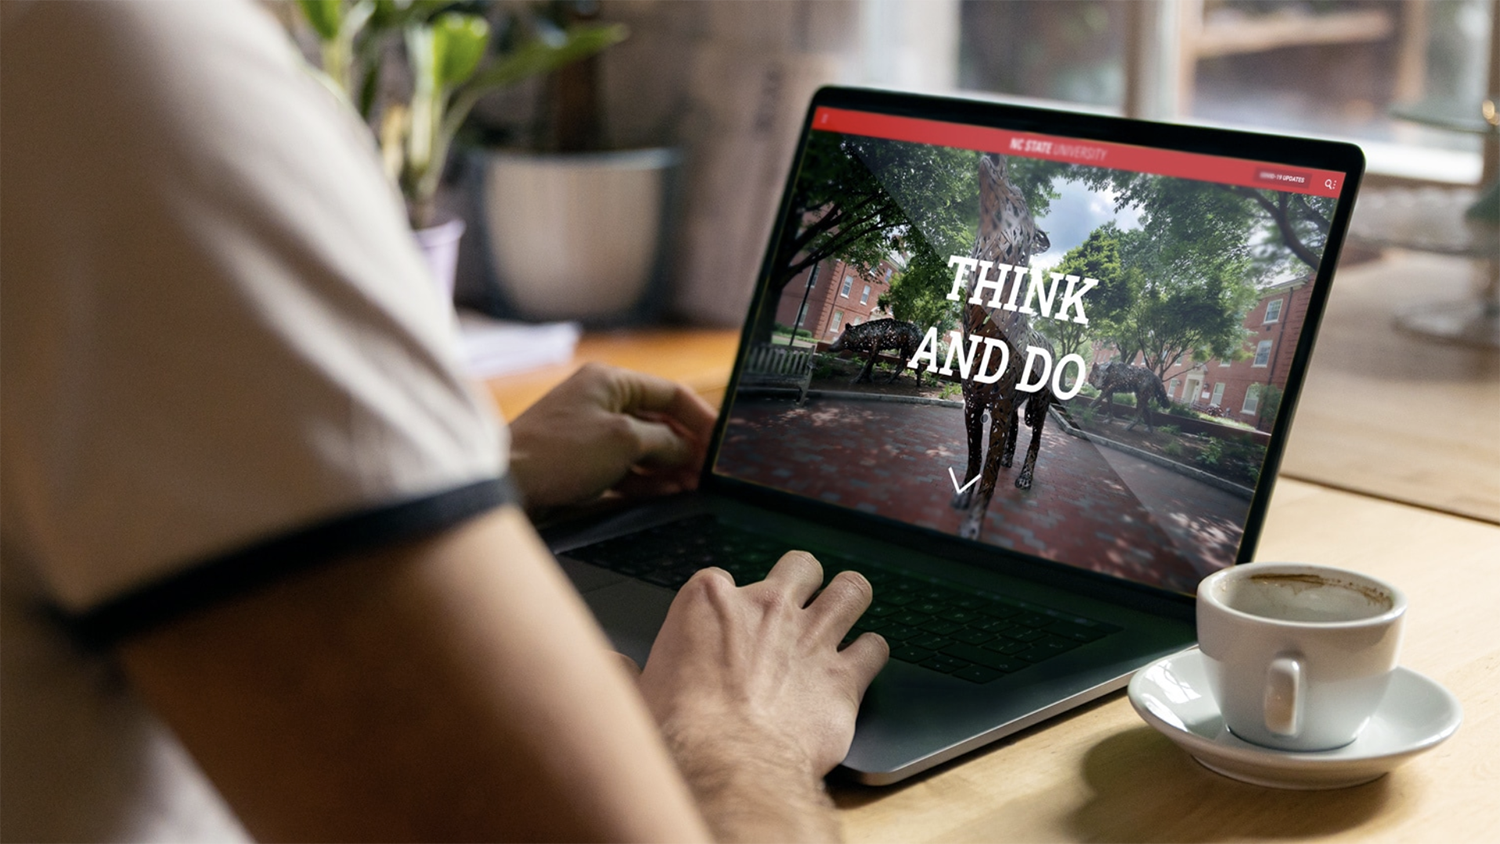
x=1172 y=695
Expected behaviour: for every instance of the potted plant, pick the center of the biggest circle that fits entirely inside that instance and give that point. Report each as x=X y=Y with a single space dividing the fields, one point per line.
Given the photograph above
x=452 y=61
x=572 y=228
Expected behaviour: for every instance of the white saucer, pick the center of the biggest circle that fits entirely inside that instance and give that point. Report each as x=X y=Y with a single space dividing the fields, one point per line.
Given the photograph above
x=1172 y=695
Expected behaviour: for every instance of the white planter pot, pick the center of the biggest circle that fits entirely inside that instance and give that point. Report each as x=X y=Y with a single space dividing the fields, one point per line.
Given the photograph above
x=576 y=236
x=439 y=247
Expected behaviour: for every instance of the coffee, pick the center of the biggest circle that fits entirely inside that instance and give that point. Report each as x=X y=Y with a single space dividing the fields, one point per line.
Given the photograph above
x=1303 y=597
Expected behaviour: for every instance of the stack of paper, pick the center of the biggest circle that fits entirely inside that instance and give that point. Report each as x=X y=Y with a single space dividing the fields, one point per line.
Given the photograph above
x=492 y=347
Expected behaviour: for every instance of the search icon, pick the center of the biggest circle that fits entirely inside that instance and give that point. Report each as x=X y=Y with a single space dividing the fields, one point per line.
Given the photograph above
x=1328 y=183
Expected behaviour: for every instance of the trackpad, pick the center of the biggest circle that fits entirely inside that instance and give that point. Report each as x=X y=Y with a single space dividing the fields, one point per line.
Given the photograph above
x=631 y=613
x=586 y=577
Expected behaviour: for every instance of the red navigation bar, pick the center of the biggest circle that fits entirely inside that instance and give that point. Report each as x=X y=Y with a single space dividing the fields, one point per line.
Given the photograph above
x=1136 y=159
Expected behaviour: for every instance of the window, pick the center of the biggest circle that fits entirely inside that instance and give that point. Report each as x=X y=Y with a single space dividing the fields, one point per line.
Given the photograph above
x=1225 y=362
x=1252 y=400
x=1218 y=398
x=838 y=320
x=848 y=285
x=864 y=298
x=1273 y=311
x=1262 y=353
x=1172 y=387
x=801 y=314
x=887 y=275
x=1343 y=68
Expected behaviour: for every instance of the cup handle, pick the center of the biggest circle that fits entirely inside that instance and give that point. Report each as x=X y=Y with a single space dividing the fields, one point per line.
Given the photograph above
x=1284 y=693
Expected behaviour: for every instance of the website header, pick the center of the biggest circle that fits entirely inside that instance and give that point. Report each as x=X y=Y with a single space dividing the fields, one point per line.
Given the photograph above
x=1137 y=159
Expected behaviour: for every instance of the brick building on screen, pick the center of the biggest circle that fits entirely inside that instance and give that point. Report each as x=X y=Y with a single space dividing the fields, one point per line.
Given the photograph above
x=1239 y=388
x=832 y=295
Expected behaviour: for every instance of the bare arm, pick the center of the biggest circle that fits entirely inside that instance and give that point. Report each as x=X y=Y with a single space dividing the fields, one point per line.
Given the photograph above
x=453 y=688
x=753 y=696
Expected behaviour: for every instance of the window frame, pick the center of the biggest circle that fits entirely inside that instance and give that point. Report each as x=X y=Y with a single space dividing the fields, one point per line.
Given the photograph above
x=1262 y=355
x=1251 y=405
x=1273 y=318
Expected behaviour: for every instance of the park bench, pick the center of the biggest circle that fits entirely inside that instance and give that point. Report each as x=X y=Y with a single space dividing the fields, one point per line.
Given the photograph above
x=779 y=367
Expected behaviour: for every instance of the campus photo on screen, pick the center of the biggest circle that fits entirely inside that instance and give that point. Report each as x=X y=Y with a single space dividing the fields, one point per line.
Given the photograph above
x=1042 y=344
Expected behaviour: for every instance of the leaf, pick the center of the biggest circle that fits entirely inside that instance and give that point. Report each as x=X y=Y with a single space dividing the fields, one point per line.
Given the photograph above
x=538 y=56
x=532 y=58
x=324 y=15
x=459 y=41
x=426 y=106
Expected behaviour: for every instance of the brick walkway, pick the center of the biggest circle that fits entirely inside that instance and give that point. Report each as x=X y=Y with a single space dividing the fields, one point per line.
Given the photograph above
x=1089 y=506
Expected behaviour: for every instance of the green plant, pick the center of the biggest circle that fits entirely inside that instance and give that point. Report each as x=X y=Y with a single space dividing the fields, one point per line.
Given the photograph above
x=454 y=62
x=1270 y=402
x=802 y=333
x=1173 y=448
x=949 y=390
x=1170 y=430
x=1212 y=453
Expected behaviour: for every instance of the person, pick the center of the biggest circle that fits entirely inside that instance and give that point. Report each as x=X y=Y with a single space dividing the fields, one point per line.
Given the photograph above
x=242 y=471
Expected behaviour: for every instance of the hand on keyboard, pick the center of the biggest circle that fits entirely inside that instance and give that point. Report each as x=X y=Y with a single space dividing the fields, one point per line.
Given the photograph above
x=608 y=429
x=753 y=676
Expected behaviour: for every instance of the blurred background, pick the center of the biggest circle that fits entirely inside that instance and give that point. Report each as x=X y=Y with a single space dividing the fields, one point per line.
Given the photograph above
x=632 y=181
x=726 y=83
x=701 y=102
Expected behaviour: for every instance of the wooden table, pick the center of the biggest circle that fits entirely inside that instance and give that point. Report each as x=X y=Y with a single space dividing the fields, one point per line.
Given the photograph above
x=1099 y=773
x=700 y=358
x=1394 y=415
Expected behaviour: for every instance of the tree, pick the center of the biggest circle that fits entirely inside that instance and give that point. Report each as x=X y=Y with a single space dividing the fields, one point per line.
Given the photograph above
x=1302 y=222
x=860 y=199
x=1277 y=225
x=1200 y=318
x=919 y=291
x=1098 y=257
x=1192 y=270
x=919 y=294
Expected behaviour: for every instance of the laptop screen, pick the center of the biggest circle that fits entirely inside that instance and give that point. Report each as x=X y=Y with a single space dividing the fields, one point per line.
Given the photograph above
x=1074 y=349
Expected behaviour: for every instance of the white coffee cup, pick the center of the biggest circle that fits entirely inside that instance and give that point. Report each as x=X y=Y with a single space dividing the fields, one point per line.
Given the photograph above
x=1299 y=656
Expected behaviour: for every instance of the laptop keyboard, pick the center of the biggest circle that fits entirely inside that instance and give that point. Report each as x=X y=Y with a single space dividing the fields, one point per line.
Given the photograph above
x=955 y=630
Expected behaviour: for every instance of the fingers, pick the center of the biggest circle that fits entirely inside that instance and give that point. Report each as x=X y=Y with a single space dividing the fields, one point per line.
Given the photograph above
x=657 y=444
x=676 y=401
x=841 y=604
x=639 y=393
x=865 y=657
x=798 y=574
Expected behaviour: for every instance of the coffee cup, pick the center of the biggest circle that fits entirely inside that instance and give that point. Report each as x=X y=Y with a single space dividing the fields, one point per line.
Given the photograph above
x=1298 y=656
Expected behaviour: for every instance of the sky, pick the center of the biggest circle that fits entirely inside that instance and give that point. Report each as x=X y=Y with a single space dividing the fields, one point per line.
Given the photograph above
x=1073 y=215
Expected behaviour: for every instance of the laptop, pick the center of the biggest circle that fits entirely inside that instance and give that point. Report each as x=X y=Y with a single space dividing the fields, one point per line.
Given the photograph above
x=1111 y=320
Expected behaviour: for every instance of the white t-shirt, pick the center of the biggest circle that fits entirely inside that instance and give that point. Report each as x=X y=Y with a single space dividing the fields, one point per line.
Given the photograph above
x=221 y=359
